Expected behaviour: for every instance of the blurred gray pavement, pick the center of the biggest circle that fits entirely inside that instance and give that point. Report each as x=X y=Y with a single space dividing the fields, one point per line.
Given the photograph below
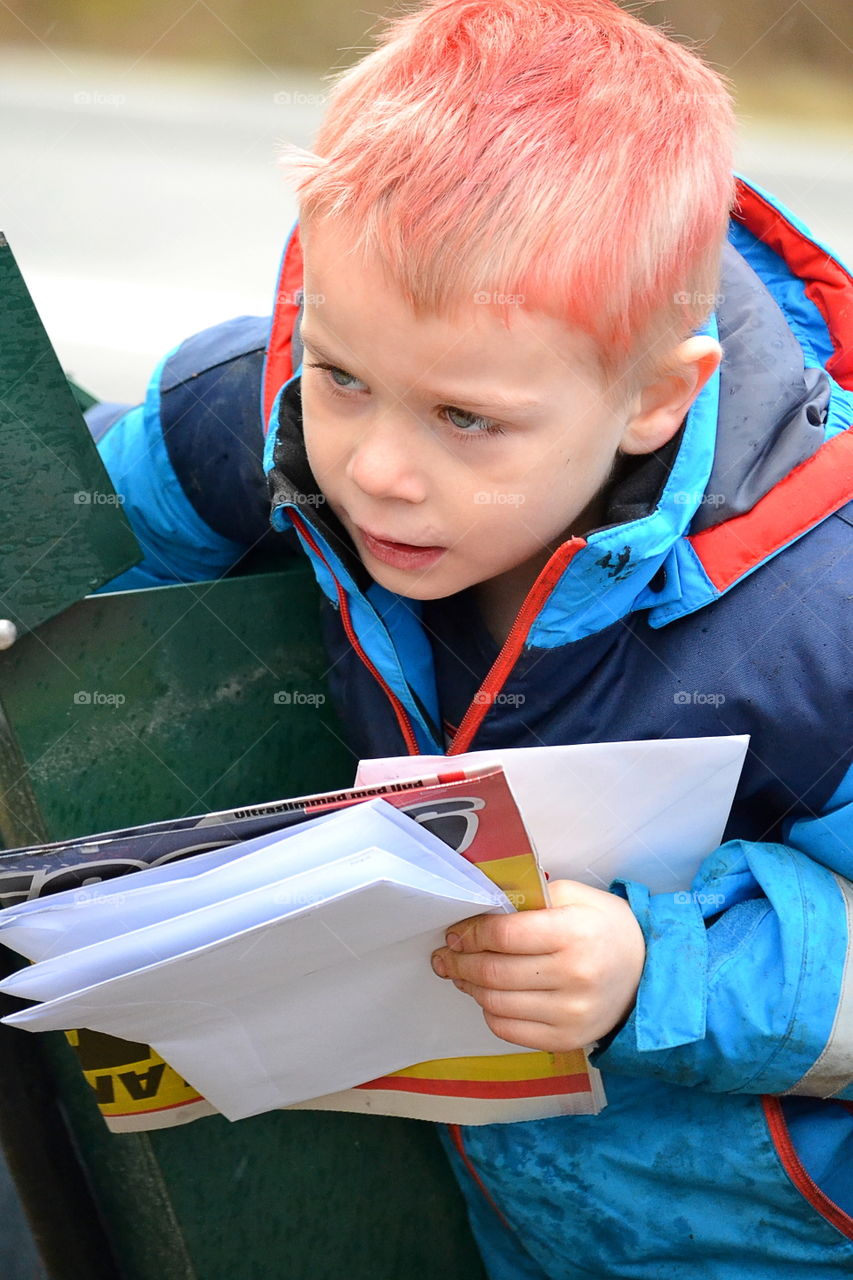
x=143 y=205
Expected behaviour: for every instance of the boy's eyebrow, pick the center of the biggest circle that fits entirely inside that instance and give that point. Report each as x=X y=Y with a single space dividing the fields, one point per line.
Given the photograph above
x=497 y=401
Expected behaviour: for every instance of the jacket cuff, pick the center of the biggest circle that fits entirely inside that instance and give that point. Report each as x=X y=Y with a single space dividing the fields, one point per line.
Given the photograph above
x=672 y=997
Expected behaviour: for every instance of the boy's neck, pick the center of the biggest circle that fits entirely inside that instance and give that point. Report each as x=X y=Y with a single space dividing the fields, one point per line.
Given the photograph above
x=499 y=600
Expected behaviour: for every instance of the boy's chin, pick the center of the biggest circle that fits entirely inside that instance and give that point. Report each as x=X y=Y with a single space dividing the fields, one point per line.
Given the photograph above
x=415 y=588
x=417 y=585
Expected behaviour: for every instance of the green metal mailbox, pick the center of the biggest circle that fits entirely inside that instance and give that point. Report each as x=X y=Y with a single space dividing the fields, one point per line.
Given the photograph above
x=130 y=707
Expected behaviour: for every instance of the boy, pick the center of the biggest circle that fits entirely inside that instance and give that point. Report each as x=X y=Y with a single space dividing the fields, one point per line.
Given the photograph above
x=568 y=450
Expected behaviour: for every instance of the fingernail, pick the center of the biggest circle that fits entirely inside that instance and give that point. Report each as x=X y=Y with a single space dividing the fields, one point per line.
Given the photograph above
x=439 y=966
x=454 y=941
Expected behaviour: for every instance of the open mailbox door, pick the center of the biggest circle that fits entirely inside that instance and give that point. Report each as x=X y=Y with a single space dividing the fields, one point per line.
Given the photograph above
x=62 y=530
x=136 y=706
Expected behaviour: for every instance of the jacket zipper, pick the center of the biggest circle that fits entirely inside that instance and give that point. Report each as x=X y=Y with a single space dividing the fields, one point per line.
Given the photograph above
x=508 y=656
x=795 y=1170
x=501 y=667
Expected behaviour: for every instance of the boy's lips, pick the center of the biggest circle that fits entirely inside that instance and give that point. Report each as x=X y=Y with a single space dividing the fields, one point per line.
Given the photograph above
x=401 y=555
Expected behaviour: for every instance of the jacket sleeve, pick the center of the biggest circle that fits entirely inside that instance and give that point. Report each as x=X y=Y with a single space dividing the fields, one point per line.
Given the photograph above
x=187 y=463
x=748 y=981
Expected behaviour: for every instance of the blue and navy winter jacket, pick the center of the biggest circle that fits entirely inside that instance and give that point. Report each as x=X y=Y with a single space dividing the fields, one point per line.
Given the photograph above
x=714 y=599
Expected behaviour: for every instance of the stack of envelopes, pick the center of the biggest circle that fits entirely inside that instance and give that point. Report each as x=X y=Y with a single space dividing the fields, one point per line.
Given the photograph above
x=289 y=966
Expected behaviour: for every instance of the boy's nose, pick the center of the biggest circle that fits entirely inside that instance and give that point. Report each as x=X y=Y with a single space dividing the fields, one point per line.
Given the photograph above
x=384 y=462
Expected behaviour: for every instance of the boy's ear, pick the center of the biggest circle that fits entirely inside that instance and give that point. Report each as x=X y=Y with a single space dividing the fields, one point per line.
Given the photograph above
x=659 y=408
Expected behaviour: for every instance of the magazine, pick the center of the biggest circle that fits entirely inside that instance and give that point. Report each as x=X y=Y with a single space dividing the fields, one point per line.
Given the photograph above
x=471 y=810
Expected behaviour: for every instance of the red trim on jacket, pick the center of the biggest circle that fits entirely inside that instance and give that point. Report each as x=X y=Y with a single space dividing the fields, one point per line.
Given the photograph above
x=456 y=1138
x=508 y=656
x=793 y=1166
x=823 y=483
x=829 y=285
x=399 y=710
x=278 y=366
x=808 y=494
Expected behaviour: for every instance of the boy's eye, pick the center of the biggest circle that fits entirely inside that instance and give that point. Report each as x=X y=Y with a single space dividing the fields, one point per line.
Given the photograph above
x=340 y=377
x=468 y=423
x=465 y=421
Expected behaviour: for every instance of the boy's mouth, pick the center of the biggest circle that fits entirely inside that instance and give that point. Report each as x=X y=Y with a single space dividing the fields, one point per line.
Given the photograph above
x=400 y=555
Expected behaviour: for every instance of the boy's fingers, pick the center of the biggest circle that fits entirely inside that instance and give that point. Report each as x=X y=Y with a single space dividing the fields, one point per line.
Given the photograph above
x=497 y=971
x=522 y=933
x=536 y=1006
x=530 y=1035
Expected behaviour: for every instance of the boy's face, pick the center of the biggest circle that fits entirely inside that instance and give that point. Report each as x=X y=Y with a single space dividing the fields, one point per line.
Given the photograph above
x=455 y=451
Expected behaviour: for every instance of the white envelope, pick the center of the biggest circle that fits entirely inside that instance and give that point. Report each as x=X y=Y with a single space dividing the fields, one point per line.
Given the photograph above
x=648 y=811
x=78 y=918
x=287 y=1010
x=66 y=920
x=277 y=900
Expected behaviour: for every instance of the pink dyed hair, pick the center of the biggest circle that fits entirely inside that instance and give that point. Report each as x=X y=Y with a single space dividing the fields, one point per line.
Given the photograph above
x=561 y=150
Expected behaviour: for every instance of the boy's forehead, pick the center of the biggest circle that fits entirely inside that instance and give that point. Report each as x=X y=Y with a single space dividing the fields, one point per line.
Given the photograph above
x=352 y=304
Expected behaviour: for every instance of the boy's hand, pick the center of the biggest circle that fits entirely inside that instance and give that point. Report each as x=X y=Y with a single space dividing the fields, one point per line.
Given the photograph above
x=554 y=979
